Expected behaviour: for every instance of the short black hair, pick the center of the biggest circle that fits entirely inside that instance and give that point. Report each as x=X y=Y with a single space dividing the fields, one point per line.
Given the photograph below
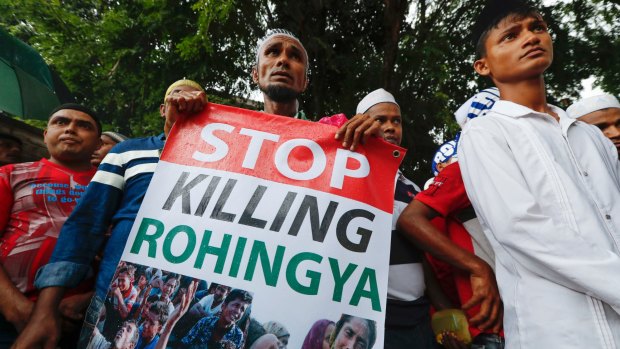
x=160 y=309
x=241 y=295
x=494 y=12
x=83 y=109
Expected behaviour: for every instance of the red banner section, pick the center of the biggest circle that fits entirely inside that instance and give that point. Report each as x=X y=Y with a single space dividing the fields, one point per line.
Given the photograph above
x=285 y=150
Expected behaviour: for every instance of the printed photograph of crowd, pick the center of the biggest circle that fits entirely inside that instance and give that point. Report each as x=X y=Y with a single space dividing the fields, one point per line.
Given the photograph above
x=150 y=308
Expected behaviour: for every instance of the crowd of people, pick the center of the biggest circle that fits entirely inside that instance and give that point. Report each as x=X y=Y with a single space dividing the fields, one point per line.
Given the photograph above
x=519 y=227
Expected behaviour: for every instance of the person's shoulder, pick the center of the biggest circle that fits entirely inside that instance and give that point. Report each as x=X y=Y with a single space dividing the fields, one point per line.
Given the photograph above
x=136 y=144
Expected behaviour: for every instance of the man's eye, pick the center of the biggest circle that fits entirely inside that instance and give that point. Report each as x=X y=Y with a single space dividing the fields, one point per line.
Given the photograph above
x=509 y=36
x=540 y=28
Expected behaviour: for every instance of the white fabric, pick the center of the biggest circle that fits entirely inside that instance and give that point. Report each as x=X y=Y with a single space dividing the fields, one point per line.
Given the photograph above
x=206 y=303
x=476 y=105
x=592 y=104
x=548 y=197
x=375 y=97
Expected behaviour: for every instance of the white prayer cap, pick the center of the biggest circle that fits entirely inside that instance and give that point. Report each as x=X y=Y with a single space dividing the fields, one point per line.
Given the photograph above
x=375 y=97
x=476 y=105
x=592 y=104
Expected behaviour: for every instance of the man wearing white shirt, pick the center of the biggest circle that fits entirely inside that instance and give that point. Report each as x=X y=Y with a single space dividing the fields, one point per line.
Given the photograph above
x=211 y=304
x=547 y=192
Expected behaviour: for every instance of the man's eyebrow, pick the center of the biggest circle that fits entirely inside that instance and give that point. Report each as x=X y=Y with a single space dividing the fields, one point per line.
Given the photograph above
x=272 y=45
x=84 y=122
x=537 y=21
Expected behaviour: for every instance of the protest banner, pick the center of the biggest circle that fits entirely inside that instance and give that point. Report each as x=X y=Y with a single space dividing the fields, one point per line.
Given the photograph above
x=270 y=205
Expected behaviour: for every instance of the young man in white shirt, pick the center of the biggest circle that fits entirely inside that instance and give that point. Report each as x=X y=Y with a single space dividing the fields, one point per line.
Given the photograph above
x=547 y=192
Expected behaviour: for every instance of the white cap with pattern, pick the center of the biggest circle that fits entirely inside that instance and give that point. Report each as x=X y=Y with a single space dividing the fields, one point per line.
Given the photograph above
x=375 y=97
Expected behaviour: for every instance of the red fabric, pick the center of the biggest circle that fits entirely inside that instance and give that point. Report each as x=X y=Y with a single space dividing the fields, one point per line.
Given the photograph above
x=447 y=196
x=334 y=120
x=36 y=199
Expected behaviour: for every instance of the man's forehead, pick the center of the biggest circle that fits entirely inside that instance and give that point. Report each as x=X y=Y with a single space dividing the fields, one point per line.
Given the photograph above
x=517 y=18
x=611 y=114
x=384 y=109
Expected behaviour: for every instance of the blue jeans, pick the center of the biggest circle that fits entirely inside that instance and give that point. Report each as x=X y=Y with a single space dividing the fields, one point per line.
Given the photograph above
x=90 y=321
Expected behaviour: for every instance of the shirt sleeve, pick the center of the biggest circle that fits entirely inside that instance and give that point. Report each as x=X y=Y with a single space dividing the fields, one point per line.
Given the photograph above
x=6 y=198
x=82 y=235
x=446 y=194
x=544 y=244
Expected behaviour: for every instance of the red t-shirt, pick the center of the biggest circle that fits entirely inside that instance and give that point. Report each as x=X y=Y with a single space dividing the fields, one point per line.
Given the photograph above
x=36 y=199
x=447 y=196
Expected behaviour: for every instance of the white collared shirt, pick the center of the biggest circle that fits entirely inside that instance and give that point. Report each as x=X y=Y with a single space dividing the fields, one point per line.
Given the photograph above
x=548 y=196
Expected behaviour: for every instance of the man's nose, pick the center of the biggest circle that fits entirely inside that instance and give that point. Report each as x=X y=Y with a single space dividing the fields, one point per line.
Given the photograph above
x=531 y=38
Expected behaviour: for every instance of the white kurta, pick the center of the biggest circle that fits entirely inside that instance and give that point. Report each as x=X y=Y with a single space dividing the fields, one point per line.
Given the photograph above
x=548 y=197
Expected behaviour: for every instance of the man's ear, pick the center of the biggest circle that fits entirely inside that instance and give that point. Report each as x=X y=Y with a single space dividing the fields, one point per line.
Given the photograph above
x=162 y=110
x=255 y=74
x=306 y=82
x=481 y=67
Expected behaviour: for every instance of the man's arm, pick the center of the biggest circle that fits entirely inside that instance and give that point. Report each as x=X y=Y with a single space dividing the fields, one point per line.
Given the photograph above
x=43 y=329
x=546 y=245
x=15 y=307
x=415 y=223
x=176 y=315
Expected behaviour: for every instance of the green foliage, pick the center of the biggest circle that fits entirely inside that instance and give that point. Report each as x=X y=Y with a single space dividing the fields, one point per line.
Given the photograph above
x=119 y=56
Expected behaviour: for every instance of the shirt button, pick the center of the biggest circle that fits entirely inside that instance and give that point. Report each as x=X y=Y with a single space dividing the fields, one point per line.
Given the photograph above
x=585 y=173
x=607 y=216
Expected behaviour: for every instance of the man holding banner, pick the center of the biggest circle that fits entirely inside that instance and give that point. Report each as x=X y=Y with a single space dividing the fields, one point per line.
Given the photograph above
x=112 y=199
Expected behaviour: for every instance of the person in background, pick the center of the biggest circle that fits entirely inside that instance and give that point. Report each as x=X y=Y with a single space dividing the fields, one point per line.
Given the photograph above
x=354 y=332
x=407 y=312
x=280 y=331
x=152 y=325
x=10 y=149
x=36 y=198
x=125 y=338
x=602 y=111
x=461 y=242
x=120 y=300
x=108 y=140
x=319 y=335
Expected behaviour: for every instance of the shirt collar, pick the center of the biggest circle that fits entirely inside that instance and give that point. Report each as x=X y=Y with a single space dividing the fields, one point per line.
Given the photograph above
x=515 y=110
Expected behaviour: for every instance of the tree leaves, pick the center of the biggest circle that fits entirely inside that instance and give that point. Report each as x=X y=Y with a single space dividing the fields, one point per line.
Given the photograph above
x=119 y=56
